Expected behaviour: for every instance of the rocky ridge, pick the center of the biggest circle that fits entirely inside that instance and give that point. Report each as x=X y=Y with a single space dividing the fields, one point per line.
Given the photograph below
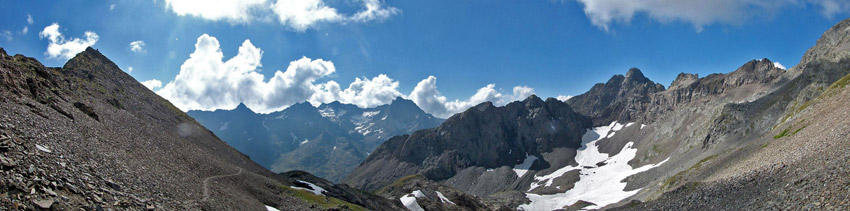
x=88 y=136
x=483 y=137
x=329 y=140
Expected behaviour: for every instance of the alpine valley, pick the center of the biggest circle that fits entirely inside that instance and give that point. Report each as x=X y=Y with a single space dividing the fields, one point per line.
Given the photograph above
x=88 y=136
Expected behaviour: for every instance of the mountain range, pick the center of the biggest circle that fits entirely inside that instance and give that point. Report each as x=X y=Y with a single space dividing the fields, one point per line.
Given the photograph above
x=89 y=136
x=329 y=140
x=716 y=141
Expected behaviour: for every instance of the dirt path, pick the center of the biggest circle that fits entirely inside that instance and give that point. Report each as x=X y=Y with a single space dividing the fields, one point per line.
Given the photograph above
x=208 y=179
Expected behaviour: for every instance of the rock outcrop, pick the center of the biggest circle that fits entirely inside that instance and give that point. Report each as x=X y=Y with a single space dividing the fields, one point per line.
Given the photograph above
x=482 y=137
x=622 y=98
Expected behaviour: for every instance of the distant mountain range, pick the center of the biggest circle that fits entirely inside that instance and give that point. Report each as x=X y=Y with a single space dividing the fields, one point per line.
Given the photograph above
x=328 y=141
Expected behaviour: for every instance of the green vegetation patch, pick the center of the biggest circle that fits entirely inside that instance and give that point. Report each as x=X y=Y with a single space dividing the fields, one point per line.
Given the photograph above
x=672 y=180
x=798 y=130
x=400 y=182
x=324 y=202
x=782 y=134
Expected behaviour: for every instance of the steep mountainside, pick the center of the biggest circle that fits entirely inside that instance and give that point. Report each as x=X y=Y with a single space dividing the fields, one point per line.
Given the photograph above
x=329 y=141
x=89 y=136
x=622 y=98
x=459 y=151
x=756 y=138
x=789 y=145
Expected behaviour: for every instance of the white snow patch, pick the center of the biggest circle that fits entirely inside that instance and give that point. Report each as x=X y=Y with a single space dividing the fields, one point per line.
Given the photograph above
x=642 y=125
x=315 y=189
x=334 y=148
x=409 y=200
x=370 y=114
x=363 y=129
x=304 y=142
x=443 y=198
x=270 y=208
x=327 y=112
x=601 y=185
x=523 y=167
x=224 y=126
x=629 y=124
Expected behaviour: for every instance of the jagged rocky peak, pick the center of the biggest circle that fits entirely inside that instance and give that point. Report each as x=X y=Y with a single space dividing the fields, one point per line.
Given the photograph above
x=243 y=108
x=302 y=106
x=90 y=59
x=482 y=136
x=622 y=98
x=754 y=71
x=834 y=44
x=636 y=75
x=402 y=104
x=684 y=79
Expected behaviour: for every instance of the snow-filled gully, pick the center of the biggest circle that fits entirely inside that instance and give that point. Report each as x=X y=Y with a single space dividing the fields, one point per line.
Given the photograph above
x=600 y=185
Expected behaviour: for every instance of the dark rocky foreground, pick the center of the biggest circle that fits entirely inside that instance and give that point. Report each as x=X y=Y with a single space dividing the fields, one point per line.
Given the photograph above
x=88 y=136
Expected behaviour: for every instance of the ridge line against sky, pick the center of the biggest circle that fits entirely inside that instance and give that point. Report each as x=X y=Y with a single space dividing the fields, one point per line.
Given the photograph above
x=212 y=77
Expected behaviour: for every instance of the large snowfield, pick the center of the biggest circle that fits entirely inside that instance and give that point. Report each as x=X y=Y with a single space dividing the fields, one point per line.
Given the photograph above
x=600 y=185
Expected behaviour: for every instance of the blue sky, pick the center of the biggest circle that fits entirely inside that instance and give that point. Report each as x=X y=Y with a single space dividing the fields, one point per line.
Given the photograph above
x=545 y=47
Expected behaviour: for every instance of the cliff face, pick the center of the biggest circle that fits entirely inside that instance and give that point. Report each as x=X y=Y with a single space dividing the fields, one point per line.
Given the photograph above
x=485 y=136
x=622 y=98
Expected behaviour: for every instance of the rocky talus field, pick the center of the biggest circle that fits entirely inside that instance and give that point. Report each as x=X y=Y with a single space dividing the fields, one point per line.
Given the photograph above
x=88 y=136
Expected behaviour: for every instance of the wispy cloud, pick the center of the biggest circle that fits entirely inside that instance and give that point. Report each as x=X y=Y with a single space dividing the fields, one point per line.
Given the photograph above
x=699 y=13
x=137 y=46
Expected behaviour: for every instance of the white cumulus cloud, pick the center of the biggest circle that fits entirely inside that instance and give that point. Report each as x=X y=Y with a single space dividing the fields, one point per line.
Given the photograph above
x=298 y=15
x=137 y=46
x=234 y=11
x=363 y=92
x=59 y=47
x=29 y=19
x=301 y=14
x=779 y=65
x=427 y=97
x=152 y=84
x=207 y=82
x=699 y=13
x=564 y=98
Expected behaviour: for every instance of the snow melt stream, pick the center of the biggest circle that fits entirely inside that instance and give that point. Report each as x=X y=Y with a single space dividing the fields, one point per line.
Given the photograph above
x=600 y=185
